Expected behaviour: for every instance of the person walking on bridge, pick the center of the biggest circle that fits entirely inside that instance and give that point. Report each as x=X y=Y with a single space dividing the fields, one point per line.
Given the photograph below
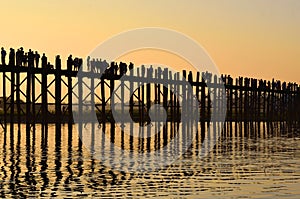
x=3 y=54
x=44 y=61
x=37 y=59
x=11 y=57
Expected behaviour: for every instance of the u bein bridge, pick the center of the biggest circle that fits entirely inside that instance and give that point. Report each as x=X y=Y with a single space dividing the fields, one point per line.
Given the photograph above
x=27 y=96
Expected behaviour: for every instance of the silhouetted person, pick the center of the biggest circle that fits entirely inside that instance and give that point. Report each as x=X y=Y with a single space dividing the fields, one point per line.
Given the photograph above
x=88 y=63
x=3 y=55
x=143 y=70
x=93 y=65
x=150 y=71
x=21 y=55
x=18 y=58
x=123 y=68
x=25 y=59
x=98 y=66
x=190 y=77
x=116 y=67
x=11 y=57
x=76 y=63
x=70 y=63
x=37 y=59
x=230 y=80
x=58 y=62
x=30 y=58
x=80 y=62
x=159 y=72
x=110 y=70
x=104 y=65
x=44 y=61
x=49 y=65
x=130 y=66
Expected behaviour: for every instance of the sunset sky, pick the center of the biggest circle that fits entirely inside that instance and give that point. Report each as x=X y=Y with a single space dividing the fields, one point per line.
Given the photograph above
x=255 y=38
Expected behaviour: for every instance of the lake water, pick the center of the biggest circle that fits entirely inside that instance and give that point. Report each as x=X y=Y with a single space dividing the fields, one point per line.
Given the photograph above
x=247 y=161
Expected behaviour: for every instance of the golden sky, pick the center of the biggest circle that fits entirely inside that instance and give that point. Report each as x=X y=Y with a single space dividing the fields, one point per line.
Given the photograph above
x=255 y=38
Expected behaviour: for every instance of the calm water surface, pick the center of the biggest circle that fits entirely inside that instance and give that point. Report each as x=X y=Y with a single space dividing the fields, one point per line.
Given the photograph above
x=248 y=161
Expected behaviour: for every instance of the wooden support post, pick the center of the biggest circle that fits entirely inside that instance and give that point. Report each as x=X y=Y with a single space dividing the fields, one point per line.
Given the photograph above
x=272 y=101
x=131 y=98
x=112 y=101
x=44 y=91
x=241 y=98
x=33 y=99
x=139 y=98
x=259 y=96
x=246 y=98
x=12 y=100
x=122 y=86
x=165 y=103
x=28 y=98
x=230 y=84
x=203 y=100
x=70 y=100
x=236 y=100
x=208 y=108
x=131 y=105
x=18 y=98
x=171 y=106
x=103 y=103
x=4 y=100
x=142 y=88
x=58 y=112
x=81 y=118
x=184 y=97
x=198 y=90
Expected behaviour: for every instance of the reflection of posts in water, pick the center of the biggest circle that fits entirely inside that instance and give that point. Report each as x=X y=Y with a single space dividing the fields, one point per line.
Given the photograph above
x=70 y=157
x=12 y=160
x=28 y=175
x=44 y=158
x=58 y=163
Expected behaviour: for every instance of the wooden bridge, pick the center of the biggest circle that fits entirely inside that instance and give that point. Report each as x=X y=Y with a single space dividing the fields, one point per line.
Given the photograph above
x=46 y=95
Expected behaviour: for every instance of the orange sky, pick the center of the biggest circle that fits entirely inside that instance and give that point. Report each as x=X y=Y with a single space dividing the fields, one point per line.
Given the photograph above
x=250 y=38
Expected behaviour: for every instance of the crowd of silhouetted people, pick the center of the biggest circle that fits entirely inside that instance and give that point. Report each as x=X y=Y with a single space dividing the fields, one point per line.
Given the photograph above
x=99 y=66
x=94 y=65
x=25 y=59
x=32 y=59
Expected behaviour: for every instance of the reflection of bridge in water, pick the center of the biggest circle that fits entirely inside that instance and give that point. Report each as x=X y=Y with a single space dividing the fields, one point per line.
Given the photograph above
x=54 y=95
x=50 y=162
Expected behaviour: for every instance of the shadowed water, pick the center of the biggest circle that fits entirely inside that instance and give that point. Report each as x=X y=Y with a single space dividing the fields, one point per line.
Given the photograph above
x=249 y=160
